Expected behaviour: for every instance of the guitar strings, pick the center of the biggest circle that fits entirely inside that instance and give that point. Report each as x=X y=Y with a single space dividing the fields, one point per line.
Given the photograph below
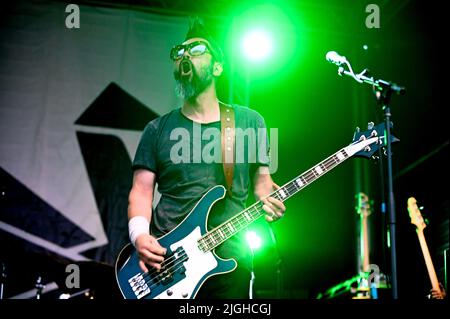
x=158 y=281
x=172 y=259
x=290 y=187
x=213 y=238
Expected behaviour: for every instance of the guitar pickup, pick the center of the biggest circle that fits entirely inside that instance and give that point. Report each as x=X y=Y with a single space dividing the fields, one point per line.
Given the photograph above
x=165 y=277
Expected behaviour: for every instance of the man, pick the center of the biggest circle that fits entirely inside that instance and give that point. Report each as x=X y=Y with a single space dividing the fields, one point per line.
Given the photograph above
x=198 y=62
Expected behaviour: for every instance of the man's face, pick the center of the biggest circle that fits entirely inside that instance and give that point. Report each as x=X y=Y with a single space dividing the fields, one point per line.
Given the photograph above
x=193 y=73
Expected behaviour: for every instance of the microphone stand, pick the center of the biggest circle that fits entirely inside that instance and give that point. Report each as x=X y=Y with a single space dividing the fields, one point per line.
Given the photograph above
x=279 y=289
x=383 y=91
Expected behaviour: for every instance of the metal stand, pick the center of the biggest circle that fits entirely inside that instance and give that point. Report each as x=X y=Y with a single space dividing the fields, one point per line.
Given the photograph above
x=383 y=98
x=278 y=263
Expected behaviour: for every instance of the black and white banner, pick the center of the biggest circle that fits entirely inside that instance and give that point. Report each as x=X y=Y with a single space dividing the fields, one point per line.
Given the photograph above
x=73 y=103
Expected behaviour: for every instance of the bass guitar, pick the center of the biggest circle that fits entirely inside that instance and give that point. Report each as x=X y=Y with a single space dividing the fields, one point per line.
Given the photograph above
x=190 y=258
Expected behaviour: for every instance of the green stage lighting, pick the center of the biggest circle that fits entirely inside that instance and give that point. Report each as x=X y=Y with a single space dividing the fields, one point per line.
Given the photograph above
x=253 y=240
x=257 y=45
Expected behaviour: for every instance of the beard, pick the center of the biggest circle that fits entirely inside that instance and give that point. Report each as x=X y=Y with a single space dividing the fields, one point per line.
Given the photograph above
x=190 y=87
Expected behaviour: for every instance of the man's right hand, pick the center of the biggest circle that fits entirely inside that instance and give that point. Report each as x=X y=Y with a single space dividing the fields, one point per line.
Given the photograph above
x=150 y=252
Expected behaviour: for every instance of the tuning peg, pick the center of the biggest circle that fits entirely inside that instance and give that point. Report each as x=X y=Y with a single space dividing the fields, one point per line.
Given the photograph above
x=370 y=125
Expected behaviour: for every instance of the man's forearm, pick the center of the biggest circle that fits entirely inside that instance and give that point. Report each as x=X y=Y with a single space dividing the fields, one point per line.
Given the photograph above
x=140 y=204
x=263 y=183
x=139 y=215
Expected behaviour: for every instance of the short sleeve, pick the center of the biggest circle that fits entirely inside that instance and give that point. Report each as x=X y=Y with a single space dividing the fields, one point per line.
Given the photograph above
x=263 y=146
x=146 y=152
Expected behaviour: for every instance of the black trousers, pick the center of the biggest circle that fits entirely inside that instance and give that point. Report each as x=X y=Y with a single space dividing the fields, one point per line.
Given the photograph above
x=234 y=285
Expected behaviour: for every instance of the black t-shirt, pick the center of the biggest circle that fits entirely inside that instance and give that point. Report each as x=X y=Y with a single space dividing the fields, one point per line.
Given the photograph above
x=187 y=159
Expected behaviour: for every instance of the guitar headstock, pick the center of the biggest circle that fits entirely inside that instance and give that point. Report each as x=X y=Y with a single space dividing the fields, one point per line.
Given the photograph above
x=363 y=207
x=415 y=215
x=371 y=140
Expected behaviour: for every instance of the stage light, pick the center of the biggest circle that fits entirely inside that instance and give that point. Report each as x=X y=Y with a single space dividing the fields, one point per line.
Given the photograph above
x=257 y=45
x=253 y=240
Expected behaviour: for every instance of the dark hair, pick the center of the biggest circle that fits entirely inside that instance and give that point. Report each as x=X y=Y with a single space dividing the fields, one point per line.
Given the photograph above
x=197 y=29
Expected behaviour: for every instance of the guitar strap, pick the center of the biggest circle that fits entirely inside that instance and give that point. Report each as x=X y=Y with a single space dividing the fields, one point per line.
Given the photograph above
x=227 y=127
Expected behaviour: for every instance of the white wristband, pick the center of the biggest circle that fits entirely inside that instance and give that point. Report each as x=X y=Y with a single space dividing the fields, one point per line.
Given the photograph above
x=137 y=225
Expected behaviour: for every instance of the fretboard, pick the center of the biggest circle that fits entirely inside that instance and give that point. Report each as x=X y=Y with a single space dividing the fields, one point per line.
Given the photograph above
x=240 y=221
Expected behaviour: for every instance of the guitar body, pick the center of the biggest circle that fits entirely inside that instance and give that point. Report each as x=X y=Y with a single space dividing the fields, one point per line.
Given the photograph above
x=186 y=267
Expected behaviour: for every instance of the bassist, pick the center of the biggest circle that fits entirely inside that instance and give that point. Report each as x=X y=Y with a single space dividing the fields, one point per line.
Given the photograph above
x=169 y=155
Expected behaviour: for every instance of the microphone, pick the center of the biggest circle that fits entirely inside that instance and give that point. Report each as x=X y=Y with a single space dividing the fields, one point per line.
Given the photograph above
x=335 y=58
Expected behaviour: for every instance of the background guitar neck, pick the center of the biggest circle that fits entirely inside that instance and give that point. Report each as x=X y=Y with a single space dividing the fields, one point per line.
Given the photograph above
x=364 y=211
x=365 y=244
x=428 y=261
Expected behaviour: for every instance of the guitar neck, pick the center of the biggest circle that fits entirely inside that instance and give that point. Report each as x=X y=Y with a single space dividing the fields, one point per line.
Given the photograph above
x=365 y=244
x=428 y=261
x=242 y=220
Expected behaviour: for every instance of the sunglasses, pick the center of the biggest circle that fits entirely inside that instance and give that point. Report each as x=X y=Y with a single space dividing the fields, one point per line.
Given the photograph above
x=196 y=48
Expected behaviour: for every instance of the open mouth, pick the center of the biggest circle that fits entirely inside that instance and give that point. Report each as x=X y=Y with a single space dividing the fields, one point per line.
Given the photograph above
x=185 y=68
